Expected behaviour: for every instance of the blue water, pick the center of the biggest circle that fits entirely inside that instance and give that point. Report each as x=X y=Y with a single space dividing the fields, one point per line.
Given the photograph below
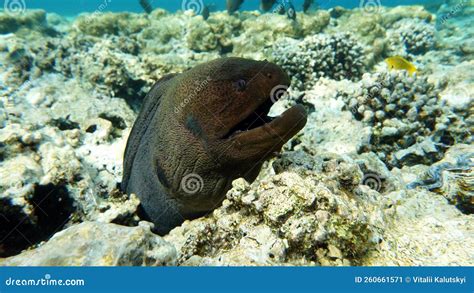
x=74 y=7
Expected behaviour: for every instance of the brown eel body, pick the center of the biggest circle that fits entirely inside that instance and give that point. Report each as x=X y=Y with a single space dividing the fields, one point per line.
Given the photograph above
x=208 y=125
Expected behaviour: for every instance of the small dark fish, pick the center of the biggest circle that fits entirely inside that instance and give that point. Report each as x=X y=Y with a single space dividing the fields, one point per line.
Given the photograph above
x=336 y=11
x=206 y=12
x=307 y=4
x=145 y=4
x=266 y=5
x=280 y=9
x=291 y=12
x=233 y=5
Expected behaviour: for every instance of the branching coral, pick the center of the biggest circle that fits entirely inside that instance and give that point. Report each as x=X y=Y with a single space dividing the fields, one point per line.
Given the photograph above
x=412 y=36
x=337 y=56
x=403 y=111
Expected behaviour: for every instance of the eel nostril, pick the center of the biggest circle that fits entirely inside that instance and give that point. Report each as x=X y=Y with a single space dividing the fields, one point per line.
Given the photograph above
x=269 y=75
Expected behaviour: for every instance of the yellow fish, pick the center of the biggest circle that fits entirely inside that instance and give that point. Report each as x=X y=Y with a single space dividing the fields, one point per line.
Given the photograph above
x=400 y=63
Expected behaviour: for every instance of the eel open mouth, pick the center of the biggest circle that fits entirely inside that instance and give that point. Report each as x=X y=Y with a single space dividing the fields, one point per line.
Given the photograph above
x=289 y=122
x=257 y=118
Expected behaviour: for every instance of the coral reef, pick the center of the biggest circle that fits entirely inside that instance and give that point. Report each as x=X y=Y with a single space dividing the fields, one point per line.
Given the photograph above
x=375 y=30
x=29 y=25
x=271 y=28
x=294 y=217
x=336 y=56
x=410 y=37
x=410 y=124
x=93 y=243
x=340 y=193
x=55 y=145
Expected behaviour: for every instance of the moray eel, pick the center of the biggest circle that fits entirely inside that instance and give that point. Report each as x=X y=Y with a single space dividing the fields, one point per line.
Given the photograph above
x=307 y=4
x=233 y=5
x=198 y=131
x=266 y=5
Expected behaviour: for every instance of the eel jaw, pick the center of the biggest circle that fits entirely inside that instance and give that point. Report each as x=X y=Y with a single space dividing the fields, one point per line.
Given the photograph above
x=255 y=119
x=273 y=134
x=258 y=134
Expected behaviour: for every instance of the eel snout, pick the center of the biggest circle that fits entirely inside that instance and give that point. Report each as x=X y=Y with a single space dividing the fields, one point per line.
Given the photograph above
x=269 y=133
x=277 y=131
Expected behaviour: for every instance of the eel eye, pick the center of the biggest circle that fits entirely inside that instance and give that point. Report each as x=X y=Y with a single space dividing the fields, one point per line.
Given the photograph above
x=241 y=85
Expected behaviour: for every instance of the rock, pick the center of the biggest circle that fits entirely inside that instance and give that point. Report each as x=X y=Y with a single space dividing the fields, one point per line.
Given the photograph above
x=334 y=252
x=290 y=220
x=420 y=153
x=427 y=231
x=99 y=244
x=452 y=177
x=24 y=23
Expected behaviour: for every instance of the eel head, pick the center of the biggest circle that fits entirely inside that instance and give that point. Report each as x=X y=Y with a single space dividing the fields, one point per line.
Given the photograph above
x=232 y=111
